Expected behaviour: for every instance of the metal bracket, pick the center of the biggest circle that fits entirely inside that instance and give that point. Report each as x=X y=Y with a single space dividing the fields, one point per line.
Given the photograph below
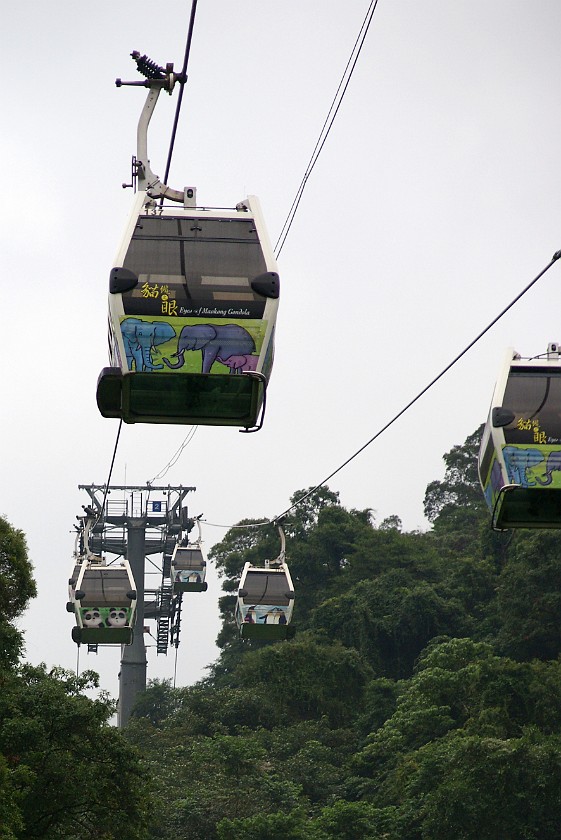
x=278 y=561
x=254 y=375
x=502 y=492
x=134 y=174
x=157 y=79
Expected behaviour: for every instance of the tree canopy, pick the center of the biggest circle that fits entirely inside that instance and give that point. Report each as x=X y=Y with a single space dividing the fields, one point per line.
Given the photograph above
x=419 y=699
x=65 y=772
x=17 y=587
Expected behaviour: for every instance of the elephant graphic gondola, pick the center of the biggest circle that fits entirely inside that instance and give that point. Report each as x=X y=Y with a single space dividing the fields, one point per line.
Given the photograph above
x=140 y=337
x=220 y=341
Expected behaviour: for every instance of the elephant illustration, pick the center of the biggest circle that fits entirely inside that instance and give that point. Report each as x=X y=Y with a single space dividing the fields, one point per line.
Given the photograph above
x=221 y=340
x=553 y=464
x=140 y=337
x=239 y=363
x=518 y=461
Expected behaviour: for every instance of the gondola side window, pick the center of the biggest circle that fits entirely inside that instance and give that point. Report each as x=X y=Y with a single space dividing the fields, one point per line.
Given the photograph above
x=487 y=460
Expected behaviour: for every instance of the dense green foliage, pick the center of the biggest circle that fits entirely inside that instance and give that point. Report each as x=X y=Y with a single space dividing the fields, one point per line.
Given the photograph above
x=419 y=700
x=16 y=588
x=65 y=772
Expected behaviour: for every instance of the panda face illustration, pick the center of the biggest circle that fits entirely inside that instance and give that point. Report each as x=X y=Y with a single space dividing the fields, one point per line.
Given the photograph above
x=117 y=617
x=92 y=618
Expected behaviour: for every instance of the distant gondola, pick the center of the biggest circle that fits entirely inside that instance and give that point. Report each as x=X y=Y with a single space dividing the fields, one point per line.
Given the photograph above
x=188 y=568
x=520 y=454
x=266 y=600
x=104 y=601
x=193 y=298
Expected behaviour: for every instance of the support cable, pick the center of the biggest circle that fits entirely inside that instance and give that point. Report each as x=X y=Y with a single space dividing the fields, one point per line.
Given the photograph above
x=181 y=89
x=326 y=128
x=412 y=402
x=110 y=472
x=231 y=527
x=175 y=667
x=177 y=454
x=328 y=123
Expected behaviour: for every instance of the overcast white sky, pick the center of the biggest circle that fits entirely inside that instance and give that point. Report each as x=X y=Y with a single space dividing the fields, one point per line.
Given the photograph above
x=435 y=201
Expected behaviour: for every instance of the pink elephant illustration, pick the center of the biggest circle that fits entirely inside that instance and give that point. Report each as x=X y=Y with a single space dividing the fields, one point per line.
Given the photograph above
x=239 y=363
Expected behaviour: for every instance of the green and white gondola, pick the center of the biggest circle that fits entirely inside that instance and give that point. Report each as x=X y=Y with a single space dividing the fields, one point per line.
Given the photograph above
x=104 y=603
x=265 y=602
x=520 y=454
x=188 y=568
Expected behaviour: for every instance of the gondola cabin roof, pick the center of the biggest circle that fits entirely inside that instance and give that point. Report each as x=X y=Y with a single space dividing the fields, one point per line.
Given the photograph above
x=520 y=454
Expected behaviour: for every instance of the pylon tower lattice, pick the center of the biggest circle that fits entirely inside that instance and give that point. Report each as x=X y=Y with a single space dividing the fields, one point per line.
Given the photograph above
x=144 y=521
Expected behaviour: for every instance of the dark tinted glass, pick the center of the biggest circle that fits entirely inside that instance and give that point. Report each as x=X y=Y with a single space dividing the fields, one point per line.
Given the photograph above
x=530 y=508
x=105 y=586
x=266 y=587
x=485 y=462
x=191 y=397
x=188 y=558
x=217 y=258
x=535 y=399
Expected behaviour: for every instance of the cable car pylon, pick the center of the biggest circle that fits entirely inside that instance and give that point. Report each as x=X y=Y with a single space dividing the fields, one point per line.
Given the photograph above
x=144 y=521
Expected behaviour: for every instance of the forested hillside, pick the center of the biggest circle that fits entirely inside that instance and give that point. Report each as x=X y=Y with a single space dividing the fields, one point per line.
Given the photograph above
x=420 y=698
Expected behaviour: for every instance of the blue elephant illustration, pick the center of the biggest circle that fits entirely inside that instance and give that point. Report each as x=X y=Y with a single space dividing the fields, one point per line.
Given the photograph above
x=220 y=340
x=518 y=461
x=495 y=484
x=140 y=337
x=553 y=464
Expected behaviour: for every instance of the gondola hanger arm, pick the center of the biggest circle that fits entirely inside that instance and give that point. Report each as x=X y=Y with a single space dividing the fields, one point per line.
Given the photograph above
x=279 y=561
x=157 y=79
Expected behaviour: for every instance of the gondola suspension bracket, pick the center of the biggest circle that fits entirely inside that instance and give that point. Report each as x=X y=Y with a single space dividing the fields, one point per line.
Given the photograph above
x=156 y=79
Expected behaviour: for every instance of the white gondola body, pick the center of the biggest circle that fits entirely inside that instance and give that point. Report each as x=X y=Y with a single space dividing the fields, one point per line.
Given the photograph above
x=265 y=602
x=73 y=580
x=520 y=453
x=188 y=568
x=192 y=310
x=104 y=603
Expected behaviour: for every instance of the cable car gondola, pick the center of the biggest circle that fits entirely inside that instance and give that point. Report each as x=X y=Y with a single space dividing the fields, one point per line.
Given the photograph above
x=188 y=567
x=104 y=603
x=193 y=298
x=266 y=600
x=89 y=606
x=520 y=454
